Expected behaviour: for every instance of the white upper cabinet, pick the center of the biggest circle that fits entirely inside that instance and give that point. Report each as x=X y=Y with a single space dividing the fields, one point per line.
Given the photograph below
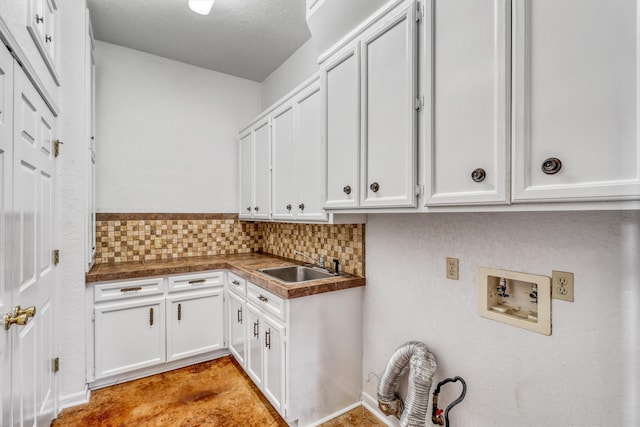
x=310 y=152
x=255 y=171
x=468 y=158
x=42 y=25
x=298 y=172
x=369 y=109
x=576 y=100
x=341 y=111
x=246 y=175
x=262 y=170
x=388 y=156
x=284 y=163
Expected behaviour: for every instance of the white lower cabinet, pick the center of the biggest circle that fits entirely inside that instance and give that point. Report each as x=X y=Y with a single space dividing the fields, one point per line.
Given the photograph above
x=266 y=355
x=299 y=349
x=151 y=325
x=193 y=324
x=136 y=325
x=237 y=328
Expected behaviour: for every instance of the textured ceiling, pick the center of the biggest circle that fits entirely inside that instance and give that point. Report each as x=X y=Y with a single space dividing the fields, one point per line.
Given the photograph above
x=244 y=38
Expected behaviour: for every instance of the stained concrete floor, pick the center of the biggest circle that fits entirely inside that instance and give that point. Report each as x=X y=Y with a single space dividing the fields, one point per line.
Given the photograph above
x=215 y=393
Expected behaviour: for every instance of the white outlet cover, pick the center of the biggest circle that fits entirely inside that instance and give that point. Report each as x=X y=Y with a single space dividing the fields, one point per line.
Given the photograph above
x=491 y=306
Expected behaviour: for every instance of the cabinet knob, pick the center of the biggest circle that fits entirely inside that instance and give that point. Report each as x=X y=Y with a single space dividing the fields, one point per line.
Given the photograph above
x=374 y=187
x=551 y=166
x=289 y=207
x=301 y=206
x=248 y=208
x=47 y=38
x=347 y=189
x=39 y=19
x=478 y=175
x=257 y=208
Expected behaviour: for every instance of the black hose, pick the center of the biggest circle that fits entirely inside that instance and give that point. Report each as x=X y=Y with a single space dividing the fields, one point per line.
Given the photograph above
x=452 y=404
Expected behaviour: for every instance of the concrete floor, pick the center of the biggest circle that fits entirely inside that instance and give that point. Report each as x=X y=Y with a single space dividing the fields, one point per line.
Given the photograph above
x=215 y=393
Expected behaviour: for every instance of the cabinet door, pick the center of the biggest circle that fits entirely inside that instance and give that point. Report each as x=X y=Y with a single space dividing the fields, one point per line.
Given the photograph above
x=311 y=171
x=261 y=170
x=388 y=157
x=341 y=112
x=468 y=159
x=576 y=100
x=195 y=324
x=237 y=329
x=254 y=344
x=273 y=339
x=284 y=164
x=129 y=336
x=246 y=175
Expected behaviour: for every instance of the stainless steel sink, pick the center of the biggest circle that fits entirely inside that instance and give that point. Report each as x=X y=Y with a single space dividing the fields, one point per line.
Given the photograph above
x=296 y=273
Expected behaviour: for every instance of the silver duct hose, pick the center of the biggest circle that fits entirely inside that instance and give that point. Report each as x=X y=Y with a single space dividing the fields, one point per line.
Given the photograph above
x=423 y=367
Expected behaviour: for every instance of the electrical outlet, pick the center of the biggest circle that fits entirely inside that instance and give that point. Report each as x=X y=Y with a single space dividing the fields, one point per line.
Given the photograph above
x=452 y=268
x=562 y=285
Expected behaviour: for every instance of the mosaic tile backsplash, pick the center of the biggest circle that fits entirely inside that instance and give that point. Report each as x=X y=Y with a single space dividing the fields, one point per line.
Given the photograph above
x=122 y=237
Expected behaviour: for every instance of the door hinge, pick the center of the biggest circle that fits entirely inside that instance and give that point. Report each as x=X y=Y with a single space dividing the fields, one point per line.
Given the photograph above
x=417 y=190
x=56 y=256
x=419 y=12
x=93 y=316
x=56 y=364
x=56 y=147
x=419 y=103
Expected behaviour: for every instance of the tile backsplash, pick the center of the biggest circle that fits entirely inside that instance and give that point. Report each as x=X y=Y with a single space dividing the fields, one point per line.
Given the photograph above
x=123 y=237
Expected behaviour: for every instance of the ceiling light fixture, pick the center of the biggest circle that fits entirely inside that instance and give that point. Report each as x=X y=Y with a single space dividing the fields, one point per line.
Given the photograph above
x=203 y=7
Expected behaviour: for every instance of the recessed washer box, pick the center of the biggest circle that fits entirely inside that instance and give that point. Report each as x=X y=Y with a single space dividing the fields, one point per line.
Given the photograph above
x=517 y=299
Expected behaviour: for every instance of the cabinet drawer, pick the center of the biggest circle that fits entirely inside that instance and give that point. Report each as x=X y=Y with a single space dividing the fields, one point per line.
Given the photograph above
x=266 y=301
x=128 y=289
x=237 y=284
x=196 y=281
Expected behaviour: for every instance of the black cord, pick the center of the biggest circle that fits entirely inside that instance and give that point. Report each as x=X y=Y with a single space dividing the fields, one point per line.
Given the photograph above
x=452 y=404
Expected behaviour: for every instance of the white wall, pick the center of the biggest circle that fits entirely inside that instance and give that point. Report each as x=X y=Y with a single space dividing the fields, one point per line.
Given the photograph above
x=167 y=133
x=71 y=199
x=295 y=70
x=586 y=373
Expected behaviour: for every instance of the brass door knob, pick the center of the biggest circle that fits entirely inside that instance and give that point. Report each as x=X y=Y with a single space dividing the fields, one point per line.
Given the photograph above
x=10 y=319
x=29 y=311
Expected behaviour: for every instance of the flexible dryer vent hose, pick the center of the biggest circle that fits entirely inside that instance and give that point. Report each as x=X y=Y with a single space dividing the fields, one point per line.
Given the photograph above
x=415 y=355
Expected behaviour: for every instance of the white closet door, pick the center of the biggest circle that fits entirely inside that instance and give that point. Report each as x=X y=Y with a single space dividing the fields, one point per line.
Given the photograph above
x=6 y=222
x=33 y=201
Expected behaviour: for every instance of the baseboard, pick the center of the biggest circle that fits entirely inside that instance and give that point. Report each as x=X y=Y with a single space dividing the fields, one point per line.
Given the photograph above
x=74 y=399
x=372 y=405
x=334 y=415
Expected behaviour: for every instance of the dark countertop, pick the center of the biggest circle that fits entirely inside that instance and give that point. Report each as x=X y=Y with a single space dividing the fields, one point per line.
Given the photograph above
x=244 y=265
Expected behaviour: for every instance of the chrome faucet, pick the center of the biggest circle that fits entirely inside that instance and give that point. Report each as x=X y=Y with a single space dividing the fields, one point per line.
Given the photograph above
x=320 y=263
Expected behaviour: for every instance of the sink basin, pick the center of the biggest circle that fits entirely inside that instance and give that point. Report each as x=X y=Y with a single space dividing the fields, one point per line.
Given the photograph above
x=296 y=273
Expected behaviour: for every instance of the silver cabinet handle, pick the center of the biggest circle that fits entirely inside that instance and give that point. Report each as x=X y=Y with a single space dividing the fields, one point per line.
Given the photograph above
x=256 y=328
x=289 y=207
x=263 y=298
x=267 y=339
x=551 y=166
x=301 y=206
x=374 y=187
x=235 y=282
x=240 y=315
x=347 y=189
x=478 y=175
x=194 y=282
